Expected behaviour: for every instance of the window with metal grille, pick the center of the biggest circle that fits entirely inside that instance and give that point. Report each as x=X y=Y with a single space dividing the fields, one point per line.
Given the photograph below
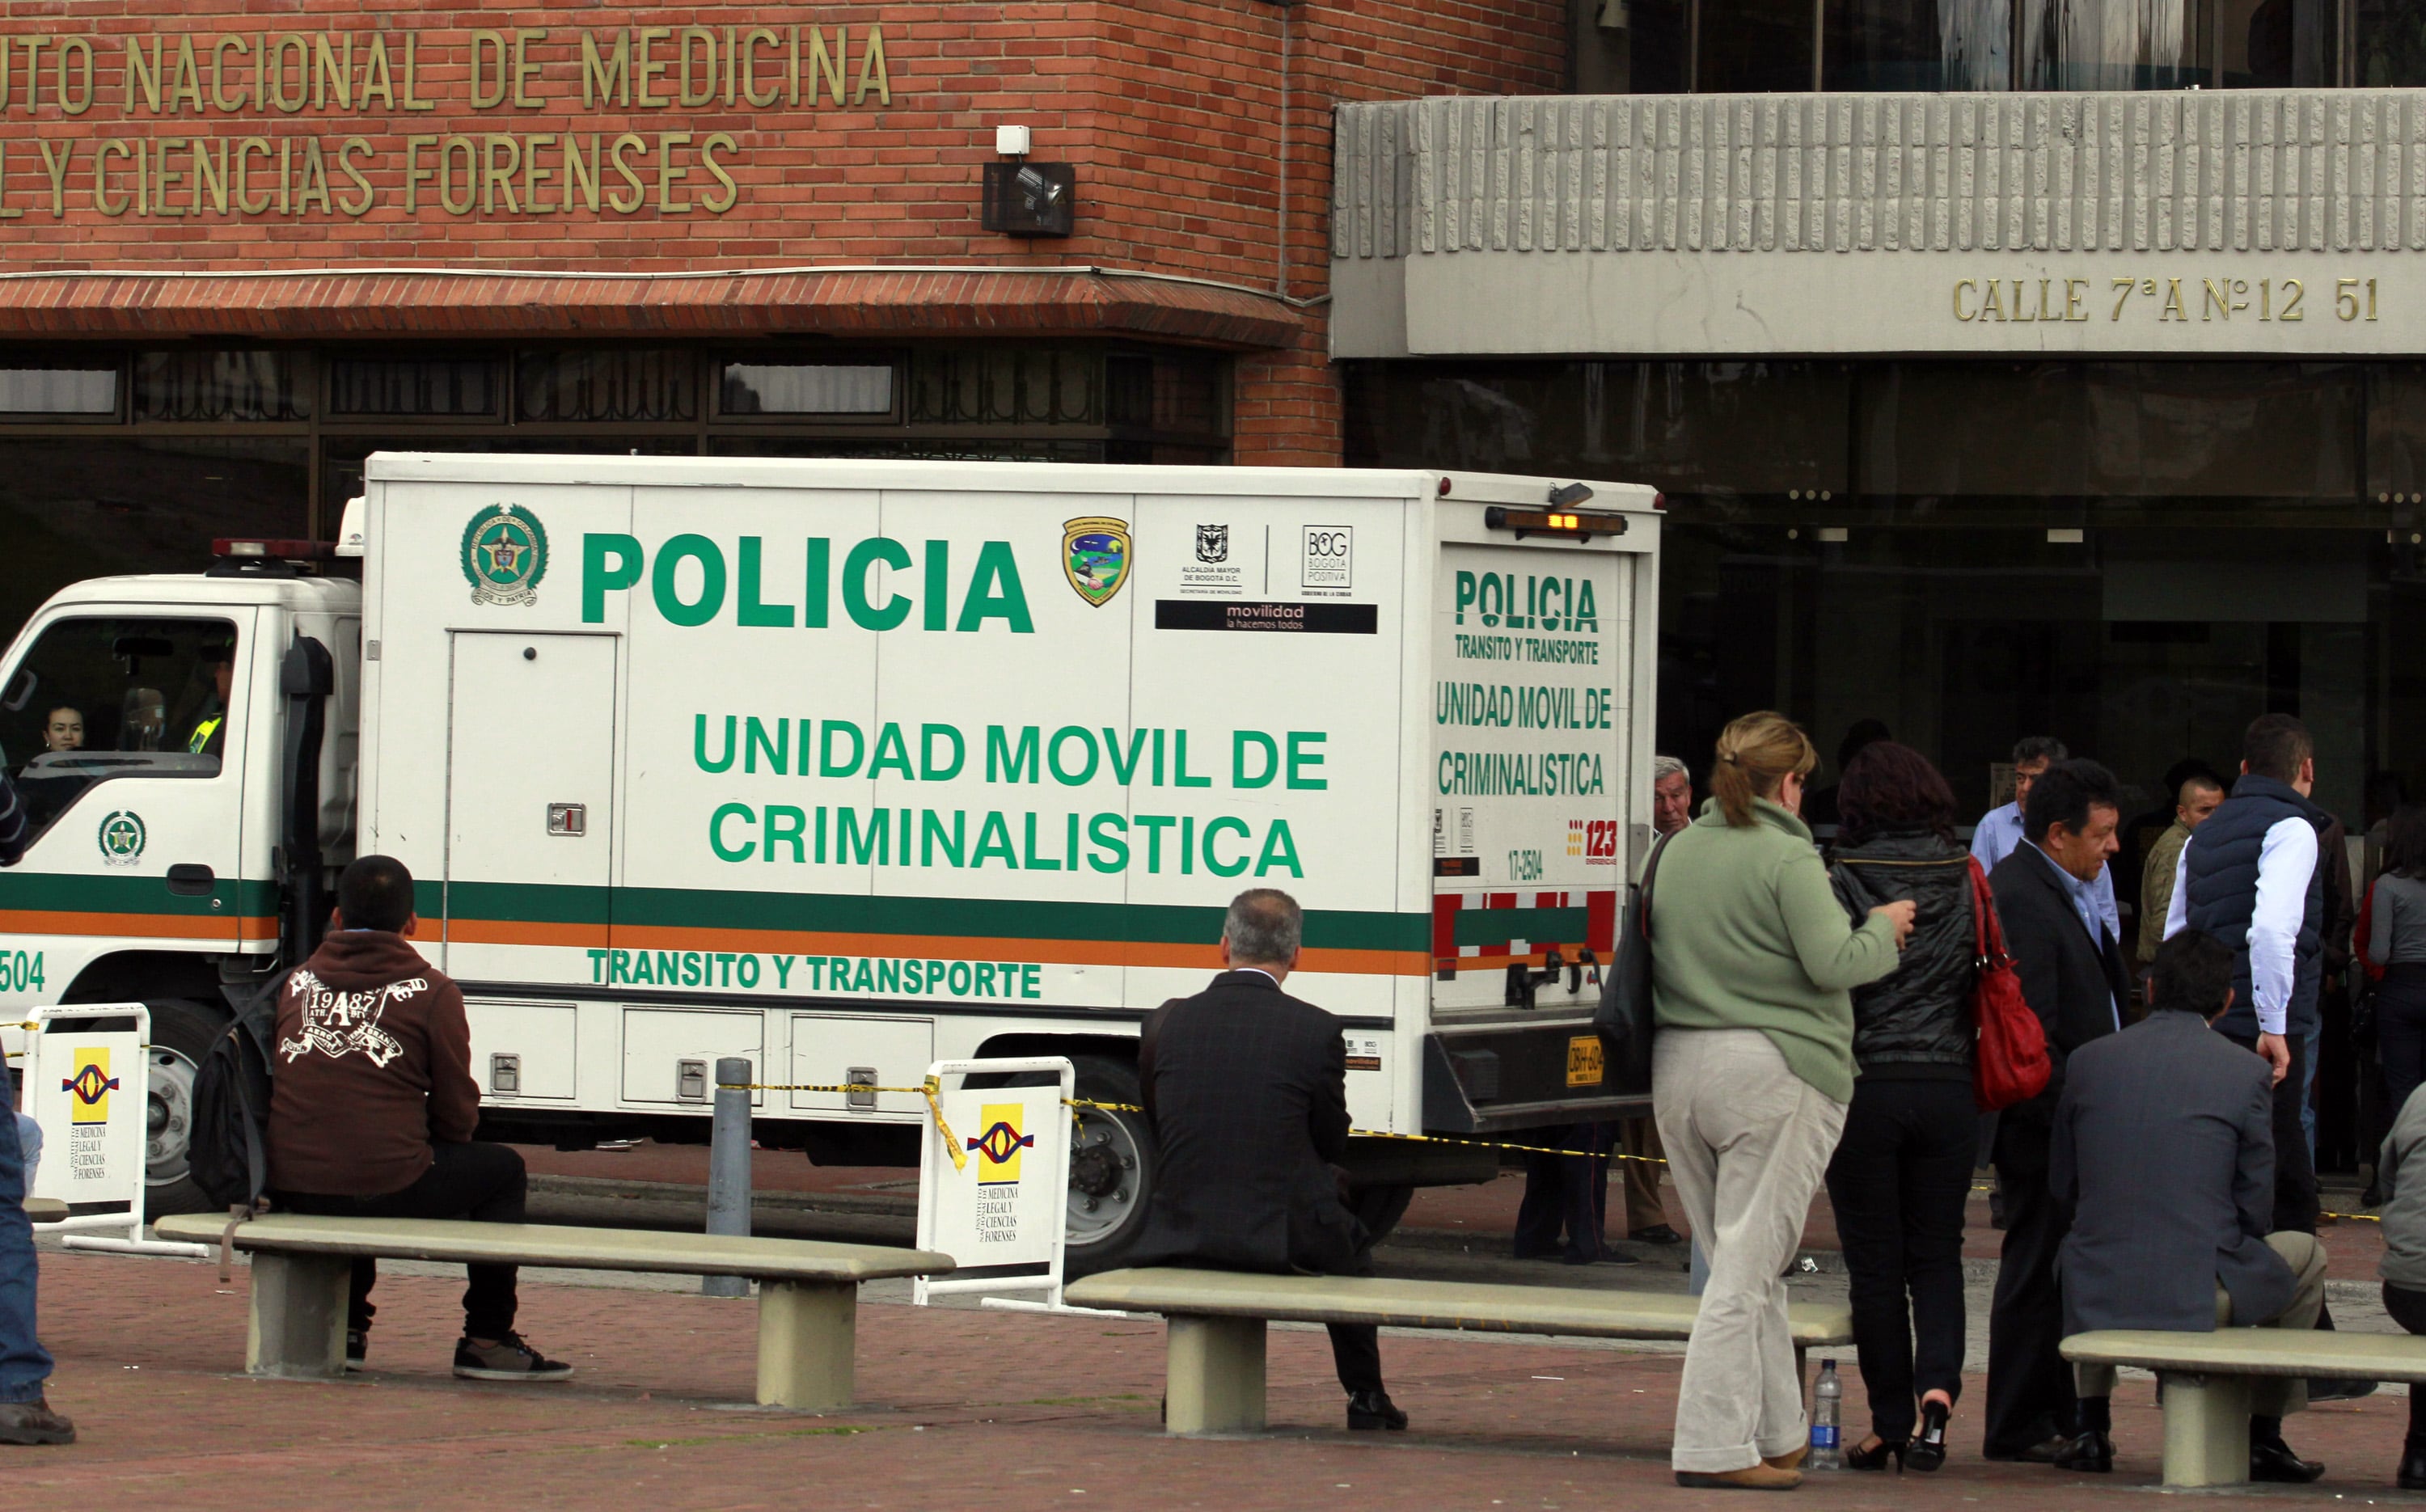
x=205 y=385
x=612 y=385
x=454 y=388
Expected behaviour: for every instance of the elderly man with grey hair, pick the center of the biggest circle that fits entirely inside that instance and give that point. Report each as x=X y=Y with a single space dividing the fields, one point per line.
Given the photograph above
x=1646 y=1214
x=1247 y=1088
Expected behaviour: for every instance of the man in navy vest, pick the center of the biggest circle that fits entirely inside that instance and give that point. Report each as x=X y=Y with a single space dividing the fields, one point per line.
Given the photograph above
x=2250 y=878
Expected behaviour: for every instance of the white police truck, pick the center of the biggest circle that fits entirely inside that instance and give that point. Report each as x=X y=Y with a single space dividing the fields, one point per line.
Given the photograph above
x=845 y=767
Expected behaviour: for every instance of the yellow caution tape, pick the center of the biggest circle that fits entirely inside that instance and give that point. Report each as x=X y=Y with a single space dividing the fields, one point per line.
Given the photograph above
x=930 y=1090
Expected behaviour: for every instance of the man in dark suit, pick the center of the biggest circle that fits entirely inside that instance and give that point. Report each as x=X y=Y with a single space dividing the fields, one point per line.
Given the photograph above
x=2165 y=1147
x=2072 y=976
x=1247 y=1088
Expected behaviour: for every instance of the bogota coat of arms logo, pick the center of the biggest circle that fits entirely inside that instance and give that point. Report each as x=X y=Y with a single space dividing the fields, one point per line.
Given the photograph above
x=504 y=555
x=1096 y=556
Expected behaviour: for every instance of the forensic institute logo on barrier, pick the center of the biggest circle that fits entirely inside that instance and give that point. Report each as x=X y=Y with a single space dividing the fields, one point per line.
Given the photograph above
x=998 y=1148
x=1095 y=557
x=504 y=555
x=91 y=1087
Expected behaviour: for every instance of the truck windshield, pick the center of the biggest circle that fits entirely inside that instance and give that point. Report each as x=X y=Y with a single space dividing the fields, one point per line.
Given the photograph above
x=111 y=696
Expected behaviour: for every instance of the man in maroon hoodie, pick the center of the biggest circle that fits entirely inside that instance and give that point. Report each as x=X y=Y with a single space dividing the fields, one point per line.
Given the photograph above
x=372 y=1107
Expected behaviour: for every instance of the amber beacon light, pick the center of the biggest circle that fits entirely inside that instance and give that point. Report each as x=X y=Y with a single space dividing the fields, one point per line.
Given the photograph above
x=1572 y=523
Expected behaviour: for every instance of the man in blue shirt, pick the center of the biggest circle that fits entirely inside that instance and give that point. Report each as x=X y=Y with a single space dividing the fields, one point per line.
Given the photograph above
x=2000 y=828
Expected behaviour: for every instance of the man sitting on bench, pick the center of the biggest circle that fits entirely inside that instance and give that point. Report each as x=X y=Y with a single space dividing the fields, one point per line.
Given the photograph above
x=1247 y=1088
x=2164 y=1142
x=372 y=1107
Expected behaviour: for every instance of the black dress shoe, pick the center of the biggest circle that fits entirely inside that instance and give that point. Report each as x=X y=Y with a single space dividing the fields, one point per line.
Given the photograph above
x=2322 y=1391
x=2092 y=1452
x=2413 y=1470
x=2276 y=1462
x=2042 y=1452
x=1658 y=1233
x=1374 y=1409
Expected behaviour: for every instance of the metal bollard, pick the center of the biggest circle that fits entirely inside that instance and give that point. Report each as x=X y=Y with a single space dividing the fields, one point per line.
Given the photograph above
x=728 y=1169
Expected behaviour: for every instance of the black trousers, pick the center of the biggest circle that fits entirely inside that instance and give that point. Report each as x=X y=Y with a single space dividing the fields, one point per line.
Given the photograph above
x=483 y=1182
x=2295 y=1176
x=1569 y=1192
x=2030 y=1386
x=2400 y=1038
x=1899 y=1182
x=1356 y=1347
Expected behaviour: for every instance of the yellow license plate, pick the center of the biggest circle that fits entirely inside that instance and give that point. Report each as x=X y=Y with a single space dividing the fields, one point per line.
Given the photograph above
x=1584 y=1061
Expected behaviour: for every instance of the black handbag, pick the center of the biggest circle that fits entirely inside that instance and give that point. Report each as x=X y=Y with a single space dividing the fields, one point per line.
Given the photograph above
x=1625 y=1017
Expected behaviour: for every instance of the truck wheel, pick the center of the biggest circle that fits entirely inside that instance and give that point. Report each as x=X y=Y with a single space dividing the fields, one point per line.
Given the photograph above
x=182 y=1033
x=1111 y=1168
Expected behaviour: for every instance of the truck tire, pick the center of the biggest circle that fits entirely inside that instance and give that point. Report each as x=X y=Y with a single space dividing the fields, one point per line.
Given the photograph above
x=1111 y=1168
x=182 y=1033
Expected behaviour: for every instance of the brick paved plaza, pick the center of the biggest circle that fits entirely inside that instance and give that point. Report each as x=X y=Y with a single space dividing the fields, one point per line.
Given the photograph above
x=960 y=1408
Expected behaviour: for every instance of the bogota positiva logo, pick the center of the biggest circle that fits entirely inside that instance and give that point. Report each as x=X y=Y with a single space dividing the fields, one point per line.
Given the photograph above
x=504 y=555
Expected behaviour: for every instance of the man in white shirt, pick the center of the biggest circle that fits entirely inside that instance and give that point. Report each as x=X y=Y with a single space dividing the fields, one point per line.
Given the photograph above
x=1999 y=830
x=2249 y=877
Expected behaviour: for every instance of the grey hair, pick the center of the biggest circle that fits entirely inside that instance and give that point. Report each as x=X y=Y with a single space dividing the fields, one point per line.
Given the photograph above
x=1664 y=767
x=2039 y=749
x=1265 y=927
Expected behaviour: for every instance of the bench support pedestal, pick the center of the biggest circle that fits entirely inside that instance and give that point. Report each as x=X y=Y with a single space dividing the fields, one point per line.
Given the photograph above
x=298 y=1329
x=1215 y=1376
x=805 y=1332
x=2207 y=1429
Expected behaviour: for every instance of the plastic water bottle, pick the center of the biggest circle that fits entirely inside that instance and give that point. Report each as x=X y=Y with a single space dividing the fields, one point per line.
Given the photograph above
x=1827 y=1401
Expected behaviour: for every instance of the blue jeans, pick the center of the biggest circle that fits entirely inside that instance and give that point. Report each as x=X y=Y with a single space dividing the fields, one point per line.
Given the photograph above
x=25 y=1365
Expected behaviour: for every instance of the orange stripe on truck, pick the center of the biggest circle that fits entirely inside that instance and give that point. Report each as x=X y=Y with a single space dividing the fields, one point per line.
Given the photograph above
x=136 y=925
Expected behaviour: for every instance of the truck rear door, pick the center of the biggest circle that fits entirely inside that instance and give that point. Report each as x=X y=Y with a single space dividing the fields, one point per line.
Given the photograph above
x=1532 y=712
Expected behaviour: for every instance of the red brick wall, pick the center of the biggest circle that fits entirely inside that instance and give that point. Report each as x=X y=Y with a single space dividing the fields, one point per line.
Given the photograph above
x=1170 y=108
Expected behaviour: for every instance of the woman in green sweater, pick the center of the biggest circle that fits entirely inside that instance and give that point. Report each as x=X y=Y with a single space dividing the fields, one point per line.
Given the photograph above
x=1752 y=962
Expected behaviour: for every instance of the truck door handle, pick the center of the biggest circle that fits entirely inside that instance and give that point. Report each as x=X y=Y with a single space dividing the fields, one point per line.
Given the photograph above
x=190 y=881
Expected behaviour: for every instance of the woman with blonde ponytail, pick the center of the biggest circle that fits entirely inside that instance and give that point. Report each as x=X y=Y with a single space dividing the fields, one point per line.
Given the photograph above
x=1753 y=963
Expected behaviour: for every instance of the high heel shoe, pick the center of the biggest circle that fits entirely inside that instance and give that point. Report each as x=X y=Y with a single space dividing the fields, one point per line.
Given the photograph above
x=1928 y=1451
x=1876 y=1456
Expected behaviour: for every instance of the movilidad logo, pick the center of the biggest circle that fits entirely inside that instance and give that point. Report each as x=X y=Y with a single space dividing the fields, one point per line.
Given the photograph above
x=504 y=555
x=1095 y=555
x=122 y=836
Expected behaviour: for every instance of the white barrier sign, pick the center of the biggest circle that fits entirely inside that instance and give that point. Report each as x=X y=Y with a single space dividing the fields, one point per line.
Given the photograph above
x=86 y=1085
x=1000 y=1210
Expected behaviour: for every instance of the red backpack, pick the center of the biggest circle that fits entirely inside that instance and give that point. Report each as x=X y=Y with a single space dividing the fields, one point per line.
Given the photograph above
x=2012 y=1064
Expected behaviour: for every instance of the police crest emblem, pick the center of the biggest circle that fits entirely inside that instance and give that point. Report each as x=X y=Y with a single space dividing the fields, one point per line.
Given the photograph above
x=504 y=555
x=1095 y=557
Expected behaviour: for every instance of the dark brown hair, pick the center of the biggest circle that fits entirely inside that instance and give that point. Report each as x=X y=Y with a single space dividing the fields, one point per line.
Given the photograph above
x=1889 y=786
x=2405 y=842
x=2276 y=745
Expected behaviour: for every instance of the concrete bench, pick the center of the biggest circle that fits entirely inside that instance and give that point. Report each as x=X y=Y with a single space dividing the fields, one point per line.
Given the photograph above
x=45 y=1210
x=1215 y=1372
x=2208 y=1377
x=808 y=1294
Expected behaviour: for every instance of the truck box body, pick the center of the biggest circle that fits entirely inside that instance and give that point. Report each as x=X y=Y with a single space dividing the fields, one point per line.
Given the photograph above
x=847 y=766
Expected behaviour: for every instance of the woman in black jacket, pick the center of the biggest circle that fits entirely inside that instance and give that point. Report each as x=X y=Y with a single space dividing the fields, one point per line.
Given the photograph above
x=1902 y=1171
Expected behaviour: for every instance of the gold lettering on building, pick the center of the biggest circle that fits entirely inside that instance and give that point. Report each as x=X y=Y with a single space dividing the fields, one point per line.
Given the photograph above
x=2218 y=300
x=191 y=77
